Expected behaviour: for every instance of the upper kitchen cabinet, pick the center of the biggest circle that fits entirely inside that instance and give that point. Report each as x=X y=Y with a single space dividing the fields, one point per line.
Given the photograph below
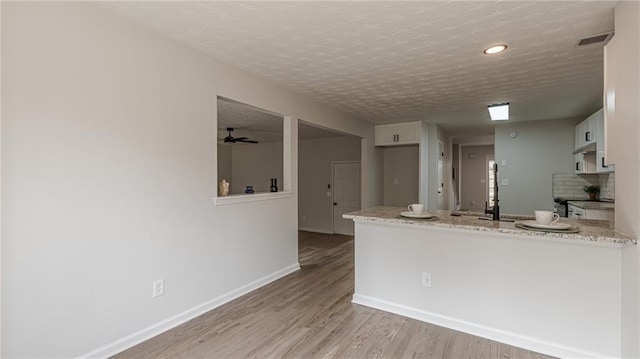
x=405 y=133
x=585 y=131
x=601 y=162
x=590 y=145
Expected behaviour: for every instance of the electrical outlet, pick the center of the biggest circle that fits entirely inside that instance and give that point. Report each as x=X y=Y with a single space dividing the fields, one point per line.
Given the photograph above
x=158 y=288
x=426 y=279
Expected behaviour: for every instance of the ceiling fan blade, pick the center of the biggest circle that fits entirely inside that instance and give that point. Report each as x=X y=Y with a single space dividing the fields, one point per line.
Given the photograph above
x=246 y=141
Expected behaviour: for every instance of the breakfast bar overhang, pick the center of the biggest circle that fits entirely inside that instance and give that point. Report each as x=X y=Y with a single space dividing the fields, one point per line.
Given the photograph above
x=554 y=293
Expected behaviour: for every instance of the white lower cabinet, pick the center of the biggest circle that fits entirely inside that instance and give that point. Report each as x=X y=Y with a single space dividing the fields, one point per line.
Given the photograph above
x=576 y=212
x=581 y=213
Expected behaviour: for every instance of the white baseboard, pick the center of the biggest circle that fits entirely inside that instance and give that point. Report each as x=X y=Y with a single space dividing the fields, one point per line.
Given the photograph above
x=314 y=230
x=172 y=322
x=534 y=344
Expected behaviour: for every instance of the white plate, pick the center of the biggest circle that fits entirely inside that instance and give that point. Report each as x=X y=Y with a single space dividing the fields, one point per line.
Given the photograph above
x=534 y=224
x=416 y=215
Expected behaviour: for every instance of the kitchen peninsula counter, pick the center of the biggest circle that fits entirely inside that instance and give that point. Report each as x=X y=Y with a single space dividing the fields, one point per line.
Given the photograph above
x=553 y=293
x=592 y=231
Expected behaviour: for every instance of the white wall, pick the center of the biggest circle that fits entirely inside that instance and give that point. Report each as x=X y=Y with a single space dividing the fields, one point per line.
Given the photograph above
x=315 y=157
x=540 y=149
x=401 y=175
x=473 y=172
x=108 y=173
x=556 y=297
x=623 y=148
x=224 y=162
x=254 y=165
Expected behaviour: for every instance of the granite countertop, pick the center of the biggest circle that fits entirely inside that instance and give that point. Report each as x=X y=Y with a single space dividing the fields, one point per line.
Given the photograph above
x=593 y=205
x=590 y=230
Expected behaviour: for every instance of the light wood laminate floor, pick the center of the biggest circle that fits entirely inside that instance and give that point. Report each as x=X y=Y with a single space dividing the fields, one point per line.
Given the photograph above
x=309 y=314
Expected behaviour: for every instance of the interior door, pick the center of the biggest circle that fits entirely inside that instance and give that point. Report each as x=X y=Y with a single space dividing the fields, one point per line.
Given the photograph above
x=490 y=181
x=440 y=175
x=346 y=195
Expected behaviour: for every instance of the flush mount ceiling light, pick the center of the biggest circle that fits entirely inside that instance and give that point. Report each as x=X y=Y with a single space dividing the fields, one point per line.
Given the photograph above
x=495 y=49
x=499 y=111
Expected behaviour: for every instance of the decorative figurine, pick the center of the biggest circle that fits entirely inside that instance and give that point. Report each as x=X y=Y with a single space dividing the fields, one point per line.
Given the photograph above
x=249 y=190
x=223 y=188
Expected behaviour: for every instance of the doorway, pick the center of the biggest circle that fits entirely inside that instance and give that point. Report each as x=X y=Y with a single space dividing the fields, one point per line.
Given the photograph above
x=440 y=175
x=346 y=195
x=491 y=176
x=474 y=180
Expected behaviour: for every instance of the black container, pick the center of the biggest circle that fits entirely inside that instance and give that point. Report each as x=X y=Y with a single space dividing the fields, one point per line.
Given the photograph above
x=274 y=185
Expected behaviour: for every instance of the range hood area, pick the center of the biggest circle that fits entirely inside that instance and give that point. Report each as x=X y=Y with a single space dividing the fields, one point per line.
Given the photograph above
x=589 y=148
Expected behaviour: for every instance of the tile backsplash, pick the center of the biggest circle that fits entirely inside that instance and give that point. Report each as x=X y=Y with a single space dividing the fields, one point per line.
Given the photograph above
x=570 y=185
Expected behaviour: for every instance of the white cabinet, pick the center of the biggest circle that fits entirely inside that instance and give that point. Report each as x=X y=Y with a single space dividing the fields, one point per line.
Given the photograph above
x=601 y=164
x=585 y=131
x=576 y=212
x=585 y=162
x=405 y=133
x=578 y=160
x=581 y=213
x=589 y=139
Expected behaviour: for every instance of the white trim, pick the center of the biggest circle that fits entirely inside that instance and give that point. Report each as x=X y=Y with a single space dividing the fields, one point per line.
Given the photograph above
x=172 y=322
x=244 y=198
x=530 y=343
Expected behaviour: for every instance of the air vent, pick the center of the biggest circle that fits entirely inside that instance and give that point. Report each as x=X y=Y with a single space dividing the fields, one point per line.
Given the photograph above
x=595 y=39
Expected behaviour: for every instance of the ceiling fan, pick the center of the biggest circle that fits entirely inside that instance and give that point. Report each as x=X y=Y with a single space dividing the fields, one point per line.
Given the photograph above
x=231 y=139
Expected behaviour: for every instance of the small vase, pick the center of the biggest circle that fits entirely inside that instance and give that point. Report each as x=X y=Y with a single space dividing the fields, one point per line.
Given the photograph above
x=593 y=196
x=223 y=188
x=249 y=189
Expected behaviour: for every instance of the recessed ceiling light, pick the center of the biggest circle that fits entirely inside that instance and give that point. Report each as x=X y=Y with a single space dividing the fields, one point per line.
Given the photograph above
x=494 y=49
x=499 y=111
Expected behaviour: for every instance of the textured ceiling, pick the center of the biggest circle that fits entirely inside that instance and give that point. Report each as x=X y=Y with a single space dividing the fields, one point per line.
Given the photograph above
x=397 y=61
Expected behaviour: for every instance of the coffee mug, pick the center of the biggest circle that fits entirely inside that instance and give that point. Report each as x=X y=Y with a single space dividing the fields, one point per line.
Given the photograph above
x=546 y=217
x=416 y=208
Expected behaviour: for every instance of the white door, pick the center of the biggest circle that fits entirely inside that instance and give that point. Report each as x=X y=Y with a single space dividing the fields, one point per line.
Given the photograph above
x=440 y=175
x=491 y=176
x=346 y=195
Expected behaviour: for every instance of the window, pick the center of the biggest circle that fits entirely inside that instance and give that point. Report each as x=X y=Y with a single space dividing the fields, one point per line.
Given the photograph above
x=251 y=151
